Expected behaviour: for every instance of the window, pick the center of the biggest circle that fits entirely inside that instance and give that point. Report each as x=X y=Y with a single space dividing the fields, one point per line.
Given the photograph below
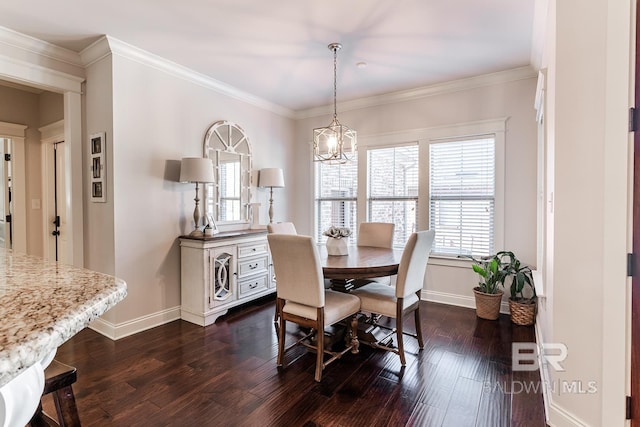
x=392 y=194
x=336 y=187
x=446 y=178
x=229 y=191
x=462 y=196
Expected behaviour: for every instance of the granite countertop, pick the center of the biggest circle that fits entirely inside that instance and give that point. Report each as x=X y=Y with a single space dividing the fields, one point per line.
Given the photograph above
x=43 y=304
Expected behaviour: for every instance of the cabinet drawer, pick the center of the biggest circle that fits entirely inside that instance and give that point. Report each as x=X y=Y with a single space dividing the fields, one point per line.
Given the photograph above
x=253 y=285
x=250 y=266
x=251 y=249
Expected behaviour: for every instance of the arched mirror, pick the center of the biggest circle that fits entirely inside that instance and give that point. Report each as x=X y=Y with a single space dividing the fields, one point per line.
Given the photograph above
x=229 y=148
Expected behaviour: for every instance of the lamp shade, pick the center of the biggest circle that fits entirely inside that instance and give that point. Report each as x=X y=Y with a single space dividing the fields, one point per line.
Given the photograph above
x=271 y=177
x=196 y=169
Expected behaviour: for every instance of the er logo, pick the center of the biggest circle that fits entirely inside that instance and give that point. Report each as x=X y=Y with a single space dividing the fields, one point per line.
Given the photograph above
x=524 y=356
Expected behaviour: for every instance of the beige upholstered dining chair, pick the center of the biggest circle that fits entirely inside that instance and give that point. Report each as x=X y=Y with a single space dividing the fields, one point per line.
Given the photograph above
x=376 y=234
x=396 y=302
x=302 y=299
x=282 y=228
x=379 y=235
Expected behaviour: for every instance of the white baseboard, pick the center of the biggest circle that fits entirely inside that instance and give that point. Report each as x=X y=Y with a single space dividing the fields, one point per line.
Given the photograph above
x=467 y=301
x=121 y=330
x=559 y=417
x=555 y=415
x=544 y=372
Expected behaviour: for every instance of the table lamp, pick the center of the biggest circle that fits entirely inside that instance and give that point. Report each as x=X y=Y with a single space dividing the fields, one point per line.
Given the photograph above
x=196 y=170
x=272 y=178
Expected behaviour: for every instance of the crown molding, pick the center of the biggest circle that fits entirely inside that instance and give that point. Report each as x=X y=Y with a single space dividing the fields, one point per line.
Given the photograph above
x=109 y=45
x=27 y=73
x=96 y=51
x=14 y=67
x=39 y=47
x=423 y=92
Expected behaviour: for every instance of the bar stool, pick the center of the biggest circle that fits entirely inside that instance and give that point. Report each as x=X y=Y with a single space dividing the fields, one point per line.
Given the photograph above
x=58 y=379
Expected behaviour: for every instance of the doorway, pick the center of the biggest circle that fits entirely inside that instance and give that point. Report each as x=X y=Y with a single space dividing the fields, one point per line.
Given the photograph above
x=56 y=212
x=55 y=193
x=6 y=232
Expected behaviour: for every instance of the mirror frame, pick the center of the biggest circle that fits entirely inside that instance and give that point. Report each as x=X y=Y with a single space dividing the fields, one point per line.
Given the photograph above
x=227 y=137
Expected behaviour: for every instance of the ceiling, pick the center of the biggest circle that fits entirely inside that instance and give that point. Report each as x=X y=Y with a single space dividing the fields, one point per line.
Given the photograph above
x=277 y=50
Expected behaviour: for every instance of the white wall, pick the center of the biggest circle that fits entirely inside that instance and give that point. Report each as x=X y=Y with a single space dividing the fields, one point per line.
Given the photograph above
x=513 y=99
x=158 y=118
x=588 y=97
x=51 y=108
x=99 y=246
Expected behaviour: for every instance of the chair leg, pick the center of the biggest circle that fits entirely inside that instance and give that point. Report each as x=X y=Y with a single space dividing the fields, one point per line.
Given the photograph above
x=66 y=407
x=416 y=316
x=399 y=312
x=281 y=336
x=400 y=342
x=355 y=344
x=320 y=344
x=275 y=316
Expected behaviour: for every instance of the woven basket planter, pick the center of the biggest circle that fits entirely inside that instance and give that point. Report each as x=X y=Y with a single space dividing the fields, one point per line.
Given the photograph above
x=487 y=305
x=523 y=313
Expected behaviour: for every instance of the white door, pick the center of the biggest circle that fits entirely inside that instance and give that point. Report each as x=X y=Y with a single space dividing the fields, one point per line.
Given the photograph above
x=56 y=202
x=5 y=198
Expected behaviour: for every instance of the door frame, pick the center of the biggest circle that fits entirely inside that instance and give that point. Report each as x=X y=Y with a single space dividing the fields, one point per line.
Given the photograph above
x=16 y=133
x=634 y=377
x=50 y=134
x=23 y=72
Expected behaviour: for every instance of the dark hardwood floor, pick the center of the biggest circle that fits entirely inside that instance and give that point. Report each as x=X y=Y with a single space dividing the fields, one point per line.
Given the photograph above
x=180 y=374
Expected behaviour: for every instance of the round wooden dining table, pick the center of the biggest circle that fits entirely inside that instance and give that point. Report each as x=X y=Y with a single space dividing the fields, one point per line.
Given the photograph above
x=362 y=262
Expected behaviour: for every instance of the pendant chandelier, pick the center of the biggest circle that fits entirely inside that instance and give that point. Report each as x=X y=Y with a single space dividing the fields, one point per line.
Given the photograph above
x=335 y=143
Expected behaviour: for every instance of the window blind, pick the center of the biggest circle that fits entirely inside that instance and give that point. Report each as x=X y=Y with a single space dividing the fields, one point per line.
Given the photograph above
x=393 y=189
x=462 y=196
x=336 y=187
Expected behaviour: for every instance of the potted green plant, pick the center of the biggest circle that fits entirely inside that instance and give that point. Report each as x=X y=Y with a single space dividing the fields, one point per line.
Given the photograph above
x=523 y=300
x=488 y=293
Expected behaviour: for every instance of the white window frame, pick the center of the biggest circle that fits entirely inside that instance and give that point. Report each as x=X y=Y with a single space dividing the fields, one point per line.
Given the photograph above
x=369 y=200
x=317 y=234
x=495 y=128
x=423 y=137
x=461 y=197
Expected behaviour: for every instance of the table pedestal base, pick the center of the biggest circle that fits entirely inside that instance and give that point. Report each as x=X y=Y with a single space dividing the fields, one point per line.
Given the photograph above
x=342 y=285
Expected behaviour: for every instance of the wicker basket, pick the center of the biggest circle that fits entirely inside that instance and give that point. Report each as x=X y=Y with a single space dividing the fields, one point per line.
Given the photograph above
x=487 y=305
x=523 y=313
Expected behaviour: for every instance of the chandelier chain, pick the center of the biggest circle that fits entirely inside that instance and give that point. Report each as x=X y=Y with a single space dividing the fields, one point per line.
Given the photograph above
x=335 y=143
x=335 y=84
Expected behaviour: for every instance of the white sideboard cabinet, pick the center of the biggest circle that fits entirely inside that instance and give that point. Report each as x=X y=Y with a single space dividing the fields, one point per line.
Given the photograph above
x=223 y=271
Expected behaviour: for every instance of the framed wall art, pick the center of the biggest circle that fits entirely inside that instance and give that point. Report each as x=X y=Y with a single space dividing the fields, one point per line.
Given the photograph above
x=97 y=156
